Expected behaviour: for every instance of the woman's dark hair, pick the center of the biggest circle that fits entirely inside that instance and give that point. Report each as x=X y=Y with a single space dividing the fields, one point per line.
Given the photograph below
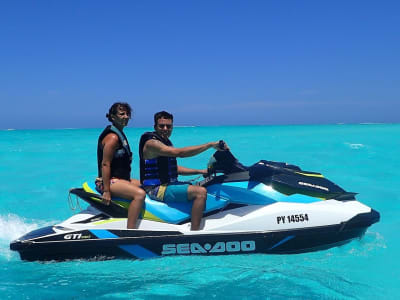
x=118 y=105
x=162 y=115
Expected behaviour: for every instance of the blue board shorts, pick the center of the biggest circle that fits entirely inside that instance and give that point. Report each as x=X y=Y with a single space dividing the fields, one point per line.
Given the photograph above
x=172 y=192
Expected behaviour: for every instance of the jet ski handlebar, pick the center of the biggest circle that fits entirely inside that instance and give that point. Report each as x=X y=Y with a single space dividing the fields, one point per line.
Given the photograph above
x=222 y=145
x=223 y=161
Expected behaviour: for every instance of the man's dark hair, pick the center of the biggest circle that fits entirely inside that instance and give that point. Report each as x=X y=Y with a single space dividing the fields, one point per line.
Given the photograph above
x=162 y=115
x=118 y=105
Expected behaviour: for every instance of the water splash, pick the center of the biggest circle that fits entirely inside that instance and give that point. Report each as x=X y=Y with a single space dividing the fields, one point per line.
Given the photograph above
x=12 y=227
x=355 y=146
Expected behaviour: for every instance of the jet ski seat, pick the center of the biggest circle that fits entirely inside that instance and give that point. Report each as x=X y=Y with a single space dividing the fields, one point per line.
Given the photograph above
x=173 y=212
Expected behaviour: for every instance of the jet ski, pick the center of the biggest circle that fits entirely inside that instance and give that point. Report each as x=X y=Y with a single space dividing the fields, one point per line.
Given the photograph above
x=268 y=207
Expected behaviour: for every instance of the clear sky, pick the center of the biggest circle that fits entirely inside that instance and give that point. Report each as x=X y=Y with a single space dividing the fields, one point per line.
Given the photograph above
x=63 y=63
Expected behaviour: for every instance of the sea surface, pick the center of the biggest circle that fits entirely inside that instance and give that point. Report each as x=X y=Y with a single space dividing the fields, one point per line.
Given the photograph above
x=38 y=167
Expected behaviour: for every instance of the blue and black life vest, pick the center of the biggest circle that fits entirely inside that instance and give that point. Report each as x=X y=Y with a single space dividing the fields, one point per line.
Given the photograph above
x=159 y=170
x=122 y=159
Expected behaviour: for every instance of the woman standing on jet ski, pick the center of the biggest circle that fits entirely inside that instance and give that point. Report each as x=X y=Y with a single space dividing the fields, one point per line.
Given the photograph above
x=114 y=159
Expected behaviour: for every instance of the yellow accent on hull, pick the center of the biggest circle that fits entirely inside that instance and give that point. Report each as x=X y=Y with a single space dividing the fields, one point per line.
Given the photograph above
x=87 y=188
x=149 y=216
x=146 y=215
x=122 y=203
x=311 y=175
x=108 y=221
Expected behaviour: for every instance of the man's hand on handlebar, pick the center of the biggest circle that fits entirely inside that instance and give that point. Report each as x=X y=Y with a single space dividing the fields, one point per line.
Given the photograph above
x=220 y=146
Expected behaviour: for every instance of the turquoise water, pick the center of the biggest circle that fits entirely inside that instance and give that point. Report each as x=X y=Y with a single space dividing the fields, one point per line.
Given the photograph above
x=38 y=167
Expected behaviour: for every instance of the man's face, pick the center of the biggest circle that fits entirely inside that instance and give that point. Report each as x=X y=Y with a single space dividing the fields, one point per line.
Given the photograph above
x=164 y=127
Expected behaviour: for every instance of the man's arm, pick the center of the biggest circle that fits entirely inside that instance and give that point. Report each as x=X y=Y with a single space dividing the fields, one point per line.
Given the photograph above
x=154 y=148
x=188 y=171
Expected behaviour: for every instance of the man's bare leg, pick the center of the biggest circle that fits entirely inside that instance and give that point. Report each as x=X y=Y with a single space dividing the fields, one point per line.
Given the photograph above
x=198 y=195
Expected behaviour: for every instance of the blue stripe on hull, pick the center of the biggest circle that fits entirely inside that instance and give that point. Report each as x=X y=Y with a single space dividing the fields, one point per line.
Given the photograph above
x=138 y=251
x=103 y=234
x=282 y=241
x=135 y=250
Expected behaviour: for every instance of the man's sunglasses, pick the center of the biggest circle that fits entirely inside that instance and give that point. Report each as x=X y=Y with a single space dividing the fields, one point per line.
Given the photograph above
x=169 y=126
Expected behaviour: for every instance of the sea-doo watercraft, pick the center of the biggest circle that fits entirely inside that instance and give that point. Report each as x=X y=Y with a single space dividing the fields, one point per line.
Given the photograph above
x=269 y=207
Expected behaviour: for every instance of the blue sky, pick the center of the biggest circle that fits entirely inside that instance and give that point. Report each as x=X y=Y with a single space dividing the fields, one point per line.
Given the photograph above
x=63 y=63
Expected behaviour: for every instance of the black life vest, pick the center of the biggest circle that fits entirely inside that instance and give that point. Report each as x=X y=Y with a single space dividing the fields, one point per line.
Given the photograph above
x=122 y=159
x=158 y=170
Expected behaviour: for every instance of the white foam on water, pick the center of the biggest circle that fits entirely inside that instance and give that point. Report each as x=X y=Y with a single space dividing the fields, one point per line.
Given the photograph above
x=13 y=227
x=355 y=146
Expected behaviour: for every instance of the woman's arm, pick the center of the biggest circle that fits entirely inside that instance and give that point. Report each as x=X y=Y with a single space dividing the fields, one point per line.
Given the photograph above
x=110 y=144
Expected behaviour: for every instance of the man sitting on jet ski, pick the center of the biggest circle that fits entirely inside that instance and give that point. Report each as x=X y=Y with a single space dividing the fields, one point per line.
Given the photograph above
x=159 y=169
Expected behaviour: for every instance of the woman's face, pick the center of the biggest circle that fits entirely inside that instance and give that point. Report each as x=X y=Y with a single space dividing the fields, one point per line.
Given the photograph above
x=121 y=118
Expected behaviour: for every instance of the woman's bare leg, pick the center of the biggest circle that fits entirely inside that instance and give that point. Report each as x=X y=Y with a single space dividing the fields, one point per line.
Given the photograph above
x=132 y=191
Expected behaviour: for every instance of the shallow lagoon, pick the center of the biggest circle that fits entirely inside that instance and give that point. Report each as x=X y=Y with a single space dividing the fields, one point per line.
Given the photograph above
x=39 y=166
